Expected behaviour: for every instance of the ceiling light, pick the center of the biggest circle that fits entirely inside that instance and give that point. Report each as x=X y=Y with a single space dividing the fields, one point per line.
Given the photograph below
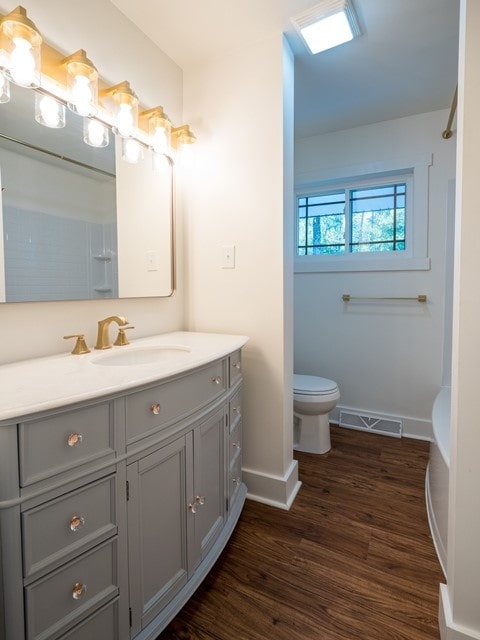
x=327 y=24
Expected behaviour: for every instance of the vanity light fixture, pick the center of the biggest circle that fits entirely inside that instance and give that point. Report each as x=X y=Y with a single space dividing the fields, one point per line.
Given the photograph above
x=4 y=88
x=48 y=111
x=327 y=24
x=95 y=133
x=124 y=109
x=82 y=84
x=20 y=48
x=159 y=129
x=74 y=81
x=182 y=140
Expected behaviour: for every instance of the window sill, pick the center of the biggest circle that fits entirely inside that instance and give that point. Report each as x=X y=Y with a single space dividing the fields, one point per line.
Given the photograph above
x=321 y=264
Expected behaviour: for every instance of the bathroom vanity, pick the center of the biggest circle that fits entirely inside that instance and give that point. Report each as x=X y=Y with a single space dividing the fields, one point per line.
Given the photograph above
x=120 y=484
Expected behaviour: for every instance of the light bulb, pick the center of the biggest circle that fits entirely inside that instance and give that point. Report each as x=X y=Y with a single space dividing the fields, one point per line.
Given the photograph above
x=81 y=95
x=96 y=133
x=132 y=150
x=50 y=112
x=22 y=63
x=125 y=120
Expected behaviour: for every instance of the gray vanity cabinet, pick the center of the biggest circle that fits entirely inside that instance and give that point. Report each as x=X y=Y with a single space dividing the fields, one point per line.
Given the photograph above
x=176 y=511
x=159 y=485
x=113 y=510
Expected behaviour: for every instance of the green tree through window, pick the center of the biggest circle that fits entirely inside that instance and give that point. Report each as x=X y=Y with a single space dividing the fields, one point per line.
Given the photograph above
x=375 y=219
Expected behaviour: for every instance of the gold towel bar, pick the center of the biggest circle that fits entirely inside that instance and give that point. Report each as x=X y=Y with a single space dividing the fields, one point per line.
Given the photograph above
x=346 y=297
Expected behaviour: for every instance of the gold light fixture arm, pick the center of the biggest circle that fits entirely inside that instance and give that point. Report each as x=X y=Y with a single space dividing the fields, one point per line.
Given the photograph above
x=448 y=131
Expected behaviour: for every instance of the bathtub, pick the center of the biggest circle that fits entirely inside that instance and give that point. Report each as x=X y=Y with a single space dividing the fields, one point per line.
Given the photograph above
x=436 y=480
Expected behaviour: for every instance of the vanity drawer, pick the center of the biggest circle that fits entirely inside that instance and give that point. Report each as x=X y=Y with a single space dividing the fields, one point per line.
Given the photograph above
x=58 y=601
x=102 y=625
x=161 y=405
x=235 y=408
x=68 y=525
x=58 y=443
x=235 y=365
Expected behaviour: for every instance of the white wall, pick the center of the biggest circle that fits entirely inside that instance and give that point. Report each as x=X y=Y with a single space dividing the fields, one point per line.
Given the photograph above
x=121 y=52
x=460 y=613
x=386 y=358
x=241 y=107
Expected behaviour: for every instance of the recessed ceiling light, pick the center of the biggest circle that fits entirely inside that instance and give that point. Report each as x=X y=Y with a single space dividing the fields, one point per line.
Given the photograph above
x=327 y=24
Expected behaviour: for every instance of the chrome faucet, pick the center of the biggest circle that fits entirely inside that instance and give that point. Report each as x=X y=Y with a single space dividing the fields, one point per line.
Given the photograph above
x=103 y=337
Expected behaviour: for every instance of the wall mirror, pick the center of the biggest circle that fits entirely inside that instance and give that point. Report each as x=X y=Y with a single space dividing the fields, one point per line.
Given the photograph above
x=78 y=222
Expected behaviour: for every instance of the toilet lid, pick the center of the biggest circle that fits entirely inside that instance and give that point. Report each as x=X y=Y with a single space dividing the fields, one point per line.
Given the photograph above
x=312 y=385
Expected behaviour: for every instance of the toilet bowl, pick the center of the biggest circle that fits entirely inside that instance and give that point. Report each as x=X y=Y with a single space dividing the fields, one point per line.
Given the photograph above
x=313 y=399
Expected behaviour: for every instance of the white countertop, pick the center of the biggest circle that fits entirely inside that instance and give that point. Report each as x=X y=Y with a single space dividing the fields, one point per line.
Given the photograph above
x=40 y=384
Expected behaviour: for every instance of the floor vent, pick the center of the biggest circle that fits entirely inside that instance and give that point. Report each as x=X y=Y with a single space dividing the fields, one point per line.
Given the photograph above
x=377 y=424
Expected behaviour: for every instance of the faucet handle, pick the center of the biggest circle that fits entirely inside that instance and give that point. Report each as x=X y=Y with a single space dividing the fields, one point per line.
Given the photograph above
x=80 y=345
x=122 y=338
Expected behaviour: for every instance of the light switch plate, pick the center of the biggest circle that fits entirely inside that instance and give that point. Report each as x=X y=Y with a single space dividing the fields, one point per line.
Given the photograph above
x=228 y=256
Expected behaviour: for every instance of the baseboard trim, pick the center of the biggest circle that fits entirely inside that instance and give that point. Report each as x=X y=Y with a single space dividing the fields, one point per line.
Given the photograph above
x=448 y=629
x=276 y=491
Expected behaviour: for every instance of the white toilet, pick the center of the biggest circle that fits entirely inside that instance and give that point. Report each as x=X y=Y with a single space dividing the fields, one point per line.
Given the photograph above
x=313 y=399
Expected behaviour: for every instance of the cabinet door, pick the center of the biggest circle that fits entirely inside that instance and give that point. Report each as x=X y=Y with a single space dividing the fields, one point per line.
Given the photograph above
x=209 y=484
x=157 y=528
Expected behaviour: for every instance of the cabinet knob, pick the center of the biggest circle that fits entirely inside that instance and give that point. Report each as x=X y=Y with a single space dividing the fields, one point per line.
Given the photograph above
x=200 y=500
x=236 y=410
x=236 y=481
x=155 y=408
x=74 y=439
x=76 y=522
x=216 y=379
x=193 y=506
x=236 y=445
x=237 y=365
x=78 y=591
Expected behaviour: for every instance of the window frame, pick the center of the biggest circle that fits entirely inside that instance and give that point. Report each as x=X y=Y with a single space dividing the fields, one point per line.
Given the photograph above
x=415 y=256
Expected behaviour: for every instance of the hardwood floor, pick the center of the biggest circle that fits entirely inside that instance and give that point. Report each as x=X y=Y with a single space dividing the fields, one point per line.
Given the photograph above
x=351 y=560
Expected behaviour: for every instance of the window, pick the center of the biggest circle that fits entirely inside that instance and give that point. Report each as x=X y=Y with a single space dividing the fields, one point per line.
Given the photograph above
x=353 y=220
x=375 y=221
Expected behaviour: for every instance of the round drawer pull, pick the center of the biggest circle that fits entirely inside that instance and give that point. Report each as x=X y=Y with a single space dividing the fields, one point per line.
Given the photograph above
x=193 y=506
x=155 y=408
x=236 y=481
x=76 y=522
x=237 y=365
x=74 y=439
x=216 y=379
x=78 y=590
x=200 y=500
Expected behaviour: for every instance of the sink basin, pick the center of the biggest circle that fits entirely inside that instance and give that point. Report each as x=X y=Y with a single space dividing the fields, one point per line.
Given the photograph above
x=142 y=355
